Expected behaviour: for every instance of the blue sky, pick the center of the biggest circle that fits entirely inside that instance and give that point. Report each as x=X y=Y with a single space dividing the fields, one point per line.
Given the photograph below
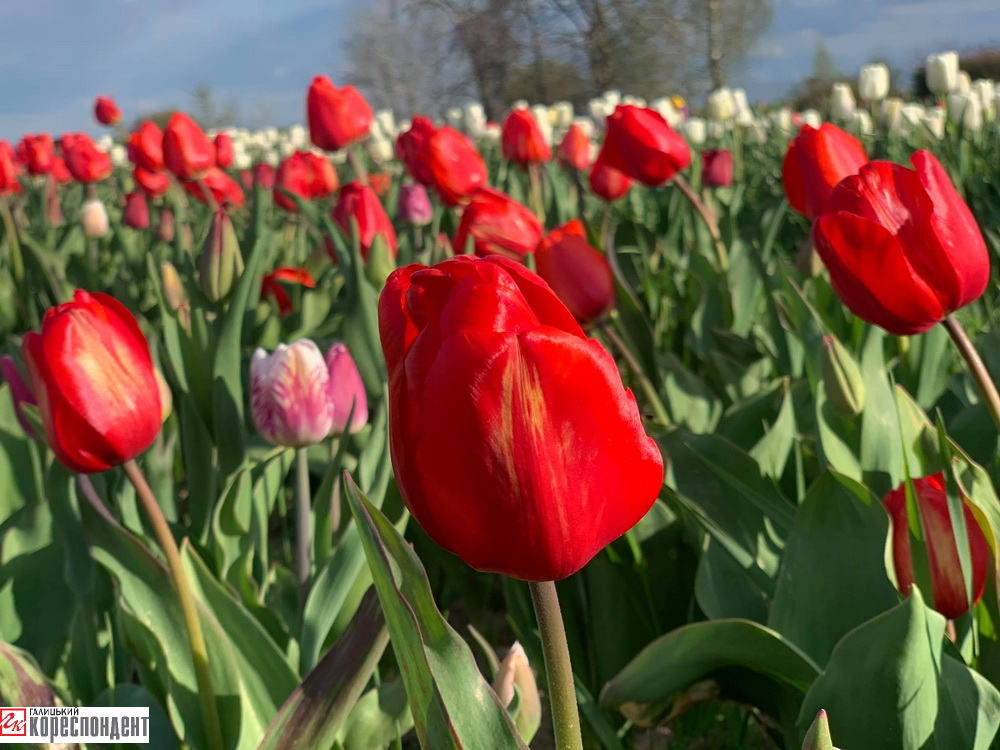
x=150 y=54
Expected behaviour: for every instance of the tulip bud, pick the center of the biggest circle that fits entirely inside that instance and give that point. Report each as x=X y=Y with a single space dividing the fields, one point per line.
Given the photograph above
x=718 y=168
x=347 y=391
x=173 y=289
x=966 y=110
x=166 y=397
x=942 y=72
x=380 y=262
x=136 y=213
x=721 y=105
x=94 y=217
x=863 y=123
x=845 y=386
x=964 y=82
x=695 y=131
x=935 y=120
x=873 y=82
x=289 y=395
x=20 y=392
x=221 y=263
x=516 y=671
x=985 y=90
x=165 y=230
x=842 y=104
x=818 y=736
x=415 y=206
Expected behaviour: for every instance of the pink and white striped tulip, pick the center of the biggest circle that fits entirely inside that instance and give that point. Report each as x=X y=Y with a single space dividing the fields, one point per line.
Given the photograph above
x=347 y=390
x=289 y=394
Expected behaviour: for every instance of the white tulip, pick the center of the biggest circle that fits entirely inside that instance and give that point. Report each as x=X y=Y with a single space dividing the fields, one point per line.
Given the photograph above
x=475 y=120
x=913 y=115
x=667 y=111
x=743 y=115
x=563 y=114
x=454 y=117
x=119 y=155
x=587 y=125
x=935 y=119
x=985 y=90
x=520 y=104
x=942 y=72
x=94 y=218
x=599 y=111
x=873 y=82
x=612 y=98
x=695 y=131
x=891 y=114
x=863 y=122
x=387 y=122
x=298 y=135
x=842 y=104
x=966 y=110
x=716 y=129
x=105 y=142
x=964 y=82
x=783 y=120
x=635 y=101
x=381 y=150
x=492 y=132
x=721 y=105
x=812 y=118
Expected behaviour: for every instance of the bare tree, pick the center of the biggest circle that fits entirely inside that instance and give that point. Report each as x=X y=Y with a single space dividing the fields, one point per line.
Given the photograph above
x=729 y=29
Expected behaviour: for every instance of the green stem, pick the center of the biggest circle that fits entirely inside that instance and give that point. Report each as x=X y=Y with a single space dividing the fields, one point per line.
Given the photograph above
x=189 y=612
x=16 y=259
x=302 y=505
x=357 y=164
x=537 y=204
x=558 y=669
x=976 y=366
x=644 y=382
x=707 y=217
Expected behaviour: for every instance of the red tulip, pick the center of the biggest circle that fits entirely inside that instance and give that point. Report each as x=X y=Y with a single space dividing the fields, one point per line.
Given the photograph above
x=264 y=175
x=498 y=225
x=106 y=111
x=60 y=171
x=145 y=147
x=380 y=182
x=947 y=582
x=574 y=151
x=902 y=248
x=640 y=143
x=153 y=184
x=9 y=170
x=360 y=203
x=223 y=188
x=578 y=273
x=306 y=175
x=84 y=160
x=37 y=152
x=187 y=152
x=223 y=151
x=91 y=372
x=337 y=117
x=815 y=162
x=457 y=170
x=412 y=150
x=246 y=179
x=136 y=213
x=269 y=286
x=718 y=168
x=513 y=441
x=522 y=140
x=607 y=182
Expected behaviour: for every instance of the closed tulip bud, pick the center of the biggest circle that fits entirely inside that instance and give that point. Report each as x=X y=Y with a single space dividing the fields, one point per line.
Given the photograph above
x=873 y=82
x=221 y=263
x=947 y=582
x=574 y=151
x=515 y=671
x=94 y=218
x=136 y=214
x=696 y=131
x=338 y=118
x=106 y=111
x=165 y=229
x=721 y=105
x=358 y=204
x=966 y=110
x=891 y=114
x=20 y=392
x=607 y=182
x=718 y=168
x=578 y=273
x=935 y=120
x=818 y=736
x=942 y=72
x=892 y=259
x=173 y=289
x=187 y=152
x=498 y=225
x=289 y=395
x=985 y=91
x=964 y=82
x=347 y=391
x=166 y=397
x=412 y=149
x=863 y=123
x=514 y=442
x=457 y=170
x=146 y=147
x=522 y=139
x=415 y=206
x=223 y=151
x=845 y=386
x=816 y=160
x=93 y=377
x=475 y=120
x=842 y=104
x=641 y=144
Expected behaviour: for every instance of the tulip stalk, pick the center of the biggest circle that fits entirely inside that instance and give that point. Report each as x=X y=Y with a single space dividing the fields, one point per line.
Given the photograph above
x=16 y=259
x=354 y=156
x=189 y=612
x=558 y=668
x=976 y=365
x=537 y=202
x=706 y=216
x=302 y=505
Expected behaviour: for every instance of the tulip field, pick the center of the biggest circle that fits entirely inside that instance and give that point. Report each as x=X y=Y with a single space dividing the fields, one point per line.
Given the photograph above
x=638 y=427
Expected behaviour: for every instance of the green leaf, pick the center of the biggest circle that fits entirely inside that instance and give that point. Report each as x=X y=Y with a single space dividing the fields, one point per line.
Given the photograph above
x=378 y=719
x=452 y=705
x=881 y=451
x=129 y=695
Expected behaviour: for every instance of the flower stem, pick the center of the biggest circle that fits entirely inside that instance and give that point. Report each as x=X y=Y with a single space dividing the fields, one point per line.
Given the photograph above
x=302 y=505
x=976 y=366
x=644 y=382
x=537 y=204
x=706 y=216
x=196 y=640
x=558 y=669
x=354 y=156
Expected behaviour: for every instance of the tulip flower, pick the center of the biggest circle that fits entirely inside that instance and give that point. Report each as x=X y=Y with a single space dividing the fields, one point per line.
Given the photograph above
x=578 y=273
x=221 y=263
x=457 y=170
x=94 y=218
x=187 y=152
x=412 y=149
x=264 y=176
x=93 y=377
x=222 y=188
x=966 y=110
x=338 y=118
x=574 y=151
x=947 y=582
x=902 y=248
x=165 y=229
x=873 y=82
x=60 y=171
x=346 y=391
x=696 y=131
x=269 y=287
x=84 y=160
x=106 y=111
x=514 y=442
x=37 y=153
x=146 y=147
x=305 y=174
x=415 y=206
x=816 y=160
x=607 y=182
x=942 y=73
x=498 y=225
x=223 y=151
x=842 y=379
x=721 y=105
x=9 y=170
x=136 y=213
x=358 y=204
x=20 y=392
x=289 y=395
x=842 y=104
x=522 y=140
x=641 y=144
x=718 y=168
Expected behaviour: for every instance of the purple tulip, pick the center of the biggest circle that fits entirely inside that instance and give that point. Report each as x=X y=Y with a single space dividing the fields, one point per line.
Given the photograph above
x=346 y=390
x=414 y=206
x=289 y=394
